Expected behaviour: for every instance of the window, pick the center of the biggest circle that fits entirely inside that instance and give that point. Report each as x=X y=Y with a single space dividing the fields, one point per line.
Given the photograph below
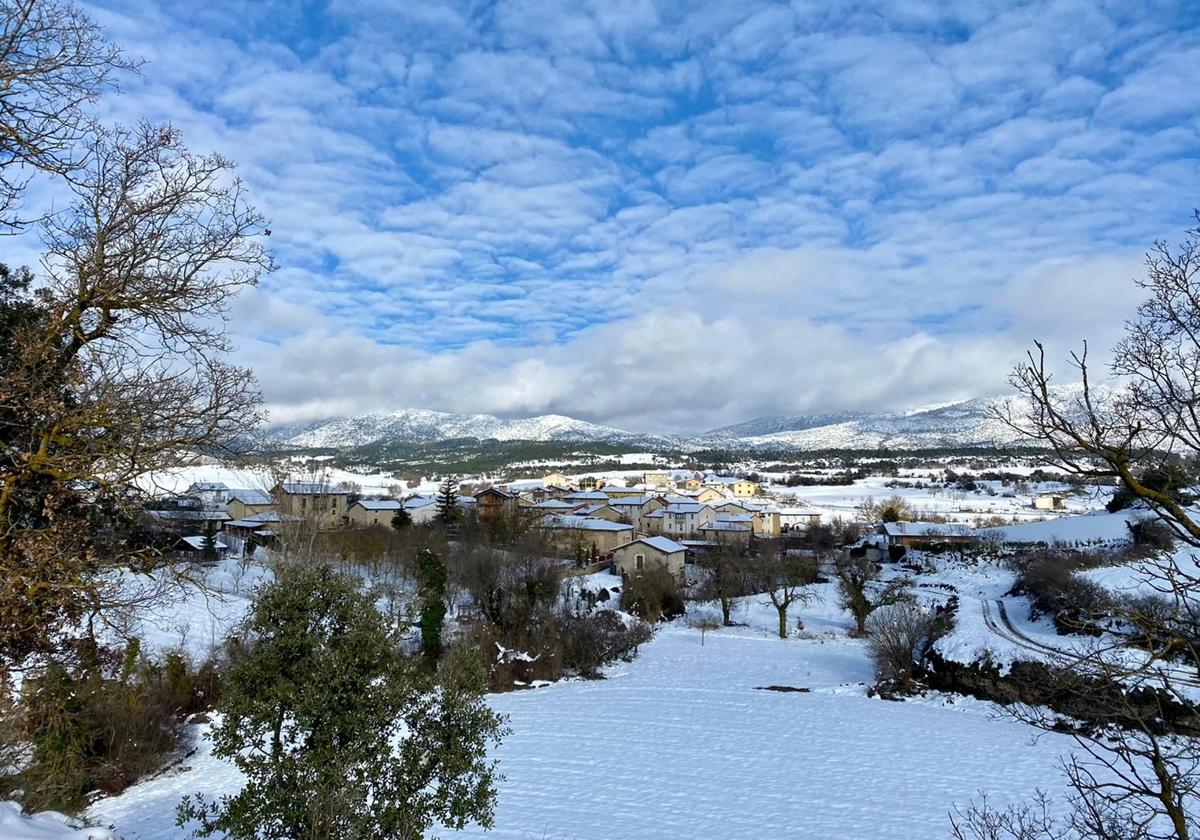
x=639 y=562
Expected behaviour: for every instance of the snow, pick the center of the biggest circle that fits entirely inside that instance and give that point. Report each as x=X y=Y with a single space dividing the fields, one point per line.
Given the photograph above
x=682 y=742
x=1098 y=527
x=47 y=825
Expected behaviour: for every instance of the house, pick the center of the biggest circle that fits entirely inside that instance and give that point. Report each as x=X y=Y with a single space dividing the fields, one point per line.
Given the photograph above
x=556 y=506
x=617 y=491
x=1049 y=501
x=632 y=509
x=633 y=558
x=210 y=494
x=243 y=502
x=739 y=488
x=421 y=509
x=727 y=532
x=557 y=480
x=262 y=528
x=608 y=512
x=585 y=535
x=587 y=497
x=679 y=520
x=658 y=479
x=493 y=502
x=183 y=520
x=367 y=512
x=193 y=546
x=325 y=503
x=917 y=534
x=791 y=518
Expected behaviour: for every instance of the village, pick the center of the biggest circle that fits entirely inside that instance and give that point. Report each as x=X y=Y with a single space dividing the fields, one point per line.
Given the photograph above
x=627 y=524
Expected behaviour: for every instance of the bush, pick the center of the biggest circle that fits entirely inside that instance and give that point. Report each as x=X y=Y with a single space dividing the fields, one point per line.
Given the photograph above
x=591 y=641
x=1073 y=602
x=96 y=731
x=896 y=634
x=337 y=732
x=653 y=596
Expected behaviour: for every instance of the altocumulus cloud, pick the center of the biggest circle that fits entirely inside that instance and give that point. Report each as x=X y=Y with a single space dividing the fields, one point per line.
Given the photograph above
x=669 y=217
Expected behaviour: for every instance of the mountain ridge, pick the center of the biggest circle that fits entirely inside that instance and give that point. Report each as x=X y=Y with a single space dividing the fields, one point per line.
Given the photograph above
x=962 y=424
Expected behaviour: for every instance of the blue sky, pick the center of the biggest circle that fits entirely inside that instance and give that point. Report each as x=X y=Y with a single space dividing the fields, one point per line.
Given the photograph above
x=670 y=216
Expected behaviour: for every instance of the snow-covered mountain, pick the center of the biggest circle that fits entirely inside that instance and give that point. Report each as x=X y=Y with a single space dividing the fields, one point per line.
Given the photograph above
x=968 y=423
x=422 y=426
x=961 y=424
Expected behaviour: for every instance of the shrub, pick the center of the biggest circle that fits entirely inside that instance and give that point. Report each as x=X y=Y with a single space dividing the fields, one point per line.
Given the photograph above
x=896 y=634
x=90 y=731
x=653 y=596
x=591 y=641
x=338 y=733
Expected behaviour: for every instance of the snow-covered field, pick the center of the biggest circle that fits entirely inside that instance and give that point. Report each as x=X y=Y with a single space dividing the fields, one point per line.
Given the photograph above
x=683 y=743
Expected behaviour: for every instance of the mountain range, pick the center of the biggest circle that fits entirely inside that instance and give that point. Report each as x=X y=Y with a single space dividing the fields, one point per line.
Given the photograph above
x=968 y=423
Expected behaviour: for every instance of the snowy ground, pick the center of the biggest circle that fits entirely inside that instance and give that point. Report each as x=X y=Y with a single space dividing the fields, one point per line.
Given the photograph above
x=681 y=743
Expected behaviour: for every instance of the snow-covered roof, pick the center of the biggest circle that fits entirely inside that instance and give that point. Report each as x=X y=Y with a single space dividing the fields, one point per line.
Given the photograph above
x=924 y=529
x=309 y=488
x=260 y=518
x=418 y=502
x=379 y=504
x=736 y=527
x=249 y=496
x=189 y=515
x=197 y=543
x=555 y=504
x=630 y=501
x=588 y=510
x=685 y=507
x=734 y=517
x=588 y=496
x=583 y=523
x=666 y=546
x=206 y=486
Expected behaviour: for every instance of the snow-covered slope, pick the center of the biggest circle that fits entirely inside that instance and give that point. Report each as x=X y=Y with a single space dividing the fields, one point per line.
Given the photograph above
x=418 y=425
x=959 y=424
x=966 y=423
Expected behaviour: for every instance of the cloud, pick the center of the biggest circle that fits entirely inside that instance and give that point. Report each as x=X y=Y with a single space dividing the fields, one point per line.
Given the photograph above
x=673 y=216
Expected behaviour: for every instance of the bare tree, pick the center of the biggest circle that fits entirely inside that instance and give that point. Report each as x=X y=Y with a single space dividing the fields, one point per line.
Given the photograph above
x=1137 y=766
x=785 y=579
x=121 y=370
x=861 y=592
x=726 y=578
x=54 y=63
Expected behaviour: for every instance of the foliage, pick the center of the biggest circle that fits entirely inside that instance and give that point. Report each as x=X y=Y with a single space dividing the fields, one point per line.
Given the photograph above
x=103 y=726
x=448 y=511
x=652 y=595
x=431 y=582
x=401 y=519
x=338 y=734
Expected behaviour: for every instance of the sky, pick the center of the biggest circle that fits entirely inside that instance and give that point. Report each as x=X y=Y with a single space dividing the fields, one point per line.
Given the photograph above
x=669 y=217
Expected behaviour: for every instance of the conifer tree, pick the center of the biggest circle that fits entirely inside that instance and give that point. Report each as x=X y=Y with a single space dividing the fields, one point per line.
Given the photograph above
x=401 y=519
x=447 y=502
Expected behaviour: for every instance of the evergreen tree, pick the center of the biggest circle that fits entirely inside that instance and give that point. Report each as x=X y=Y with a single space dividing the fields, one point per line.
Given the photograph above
x=336 y=732
x=431 y=578
x=208 y=546
x=402 y=518
x=447 y=502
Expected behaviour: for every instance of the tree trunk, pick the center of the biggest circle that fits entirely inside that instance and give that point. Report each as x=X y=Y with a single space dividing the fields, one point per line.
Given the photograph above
x=782 y=609
x=726 y=608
